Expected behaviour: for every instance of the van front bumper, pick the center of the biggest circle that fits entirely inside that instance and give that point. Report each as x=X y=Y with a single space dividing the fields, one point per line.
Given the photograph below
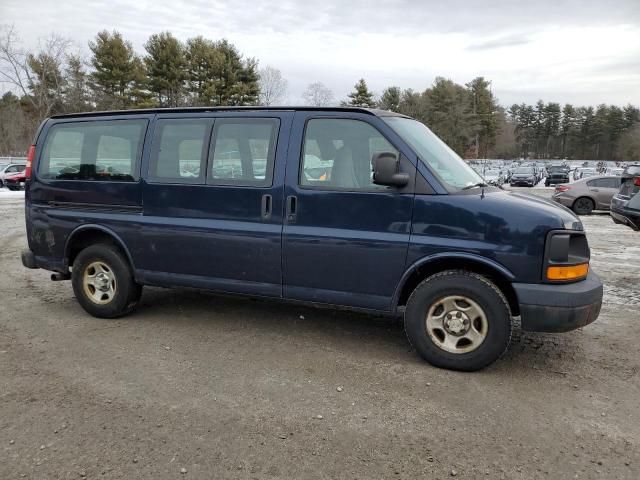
x=559 y=307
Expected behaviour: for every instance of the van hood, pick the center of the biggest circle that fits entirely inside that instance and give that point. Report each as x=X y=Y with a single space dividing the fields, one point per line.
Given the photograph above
x=566 y=218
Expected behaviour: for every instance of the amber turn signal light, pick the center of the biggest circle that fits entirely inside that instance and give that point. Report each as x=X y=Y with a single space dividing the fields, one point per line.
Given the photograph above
x=568 y=272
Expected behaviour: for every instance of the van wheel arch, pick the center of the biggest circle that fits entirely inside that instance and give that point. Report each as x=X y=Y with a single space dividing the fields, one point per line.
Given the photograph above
x=86 y=236
x=427 y=269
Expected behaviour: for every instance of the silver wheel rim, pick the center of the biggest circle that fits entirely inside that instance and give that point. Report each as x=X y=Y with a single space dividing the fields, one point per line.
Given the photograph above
x=457 y=324
x=99 y=283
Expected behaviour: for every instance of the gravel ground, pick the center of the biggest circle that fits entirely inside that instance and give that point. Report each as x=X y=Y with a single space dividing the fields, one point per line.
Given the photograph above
x=195 y=385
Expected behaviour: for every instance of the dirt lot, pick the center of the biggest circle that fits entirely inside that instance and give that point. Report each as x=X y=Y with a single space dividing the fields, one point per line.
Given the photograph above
x=195 y=385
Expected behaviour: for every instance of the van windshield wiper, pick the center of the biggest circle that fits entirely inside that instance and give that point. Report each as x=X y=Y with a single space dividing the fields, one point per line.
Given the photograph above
x=475 y=185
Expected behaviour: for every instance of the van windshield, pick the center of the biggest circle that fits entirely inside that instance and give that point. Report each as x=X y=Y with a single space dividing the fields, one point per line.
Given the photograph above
x=446 y=164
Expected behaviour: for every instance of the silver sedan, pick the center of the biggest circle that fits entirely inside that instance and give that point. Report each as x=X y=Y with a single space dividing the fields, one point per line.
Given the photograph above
x=588 y=194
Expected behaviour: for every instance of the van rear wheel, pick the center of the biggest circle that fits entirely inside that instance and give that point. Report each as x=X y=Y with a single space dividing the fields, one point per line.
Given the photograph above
x=103 y=282
x=458 y=320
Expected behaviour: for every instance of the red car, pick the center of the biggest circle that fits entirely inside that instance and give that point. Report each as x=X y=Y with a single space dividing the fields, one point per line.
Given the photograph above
x=16 y=181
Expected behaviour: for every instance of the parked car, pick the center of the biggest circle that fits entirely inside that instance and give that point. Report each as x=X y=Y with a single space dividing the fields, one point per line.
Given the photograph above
x=399 y=224
x=9 y=169
x=493 y=177
x=524 y=176
x=614 y=171
x=556 y=175
x=588 y=172
x=577 y=172
x=15 y=181
x=625 y=205
x=588 y=194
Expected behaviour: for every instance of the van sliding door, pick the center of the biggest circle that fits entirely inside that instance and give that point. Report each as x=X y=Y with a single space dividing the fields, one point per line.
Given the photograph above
x=213 y=201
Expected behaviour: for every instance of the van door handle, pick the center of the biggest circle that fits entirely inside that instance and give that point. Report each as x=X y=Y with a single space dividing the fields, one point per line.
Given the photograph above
x=292 y=208
x=266 y=207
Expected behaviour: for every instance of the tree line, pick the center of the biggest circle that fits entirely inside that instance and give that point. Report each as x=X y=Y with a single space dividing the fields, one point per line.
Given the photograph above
x=470 y=120
x=54 y=79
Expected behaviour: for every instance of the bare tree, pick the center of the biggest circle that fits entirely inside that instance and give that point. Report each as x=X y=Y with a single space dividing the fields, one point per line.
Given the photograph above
x=318 y=95
x=37 y=77
x=273 y=87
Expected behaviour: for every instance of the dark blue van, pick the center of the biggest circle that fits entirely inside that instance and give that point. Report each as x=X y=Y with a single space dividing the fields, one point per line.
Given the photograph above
x=345 y=207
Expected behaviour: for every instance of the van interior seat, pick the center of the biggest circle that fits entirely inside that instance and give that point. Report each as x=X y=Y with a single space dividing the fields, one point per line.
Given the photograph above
x=343 y=172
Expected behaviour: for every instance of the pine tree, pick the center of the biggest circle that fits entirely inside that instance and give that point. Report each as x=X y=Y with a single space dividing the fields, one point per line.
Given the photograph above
x=485 y=109
x=76 y=95
x=117 y=77
x=361 y=96
x=166 y=66
x=236 y=80
x=204 y=63
x=390 y=99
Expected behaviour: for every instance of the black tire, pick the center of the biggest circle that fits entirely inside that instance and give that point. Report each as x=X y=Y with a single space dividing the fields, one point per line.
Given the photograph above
x=583 y=206
x=126 y=291
x=474 y=287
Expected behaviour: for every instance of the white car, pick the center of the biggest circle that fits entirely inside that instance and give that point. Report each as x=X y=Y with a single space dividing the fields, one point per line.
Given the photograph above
x=616 y=172
x=588 y=172
x=9 y=169
x=493 y=176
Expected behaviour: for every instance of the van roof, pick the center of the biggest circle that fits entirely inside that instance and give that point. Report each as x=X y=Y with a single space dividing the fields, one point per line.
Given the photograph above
x=369 y=111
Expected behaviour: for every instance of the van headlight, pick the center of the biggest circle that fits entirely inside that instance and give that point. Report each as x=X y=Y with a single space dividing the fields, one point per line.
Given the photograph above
x=566 y=256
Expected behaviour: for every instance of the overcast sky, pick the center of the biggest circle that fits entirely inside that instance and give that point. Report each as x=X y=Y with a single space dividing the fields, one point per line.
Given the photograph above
x=578 y=51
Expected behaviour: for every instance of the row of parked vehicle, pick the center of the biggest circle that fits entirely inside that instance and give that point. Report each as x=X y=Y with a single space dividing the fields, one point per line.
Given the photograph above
x=529 y=174
x=618 y=194
x=517 y=174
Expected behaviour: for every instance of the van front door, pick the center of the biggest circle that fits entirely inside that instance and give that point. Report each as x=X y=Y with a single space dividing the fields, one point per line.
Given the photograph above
x=345 y=239
x=213 y=202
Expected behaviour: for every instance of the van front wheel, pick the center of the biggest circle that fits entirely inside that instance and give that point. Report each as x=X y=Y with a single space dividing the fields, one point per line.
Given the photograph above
x=103 y=282
x=458 y=320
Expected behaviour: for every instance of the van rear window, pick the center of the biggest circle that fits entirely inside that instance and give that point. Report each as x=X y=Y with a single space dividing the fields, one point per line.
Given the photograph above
x=107 y=150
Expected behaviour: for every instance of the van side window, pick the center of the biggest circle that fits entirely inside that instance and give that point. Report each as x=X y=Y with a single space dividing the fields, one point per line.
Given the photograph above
x=179 y=151
x=337 y=153
x=243 y=151
x=95 y=150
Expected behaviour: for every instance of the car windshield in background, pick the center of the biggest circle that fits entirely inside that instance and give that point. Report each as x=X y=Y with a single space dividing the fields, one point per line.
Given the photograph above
x=443 y=161
x=523 y=170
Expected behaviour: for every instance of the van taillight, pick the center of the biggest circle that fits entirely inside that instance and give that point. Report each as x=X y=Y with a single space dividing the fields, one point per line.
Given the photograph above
x=31 y=154
x=636 y=181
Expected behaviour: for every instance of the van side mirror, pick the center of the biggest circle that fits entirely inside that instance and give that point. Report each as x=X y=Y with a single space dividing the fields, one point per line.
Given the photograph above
x=386 y=170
